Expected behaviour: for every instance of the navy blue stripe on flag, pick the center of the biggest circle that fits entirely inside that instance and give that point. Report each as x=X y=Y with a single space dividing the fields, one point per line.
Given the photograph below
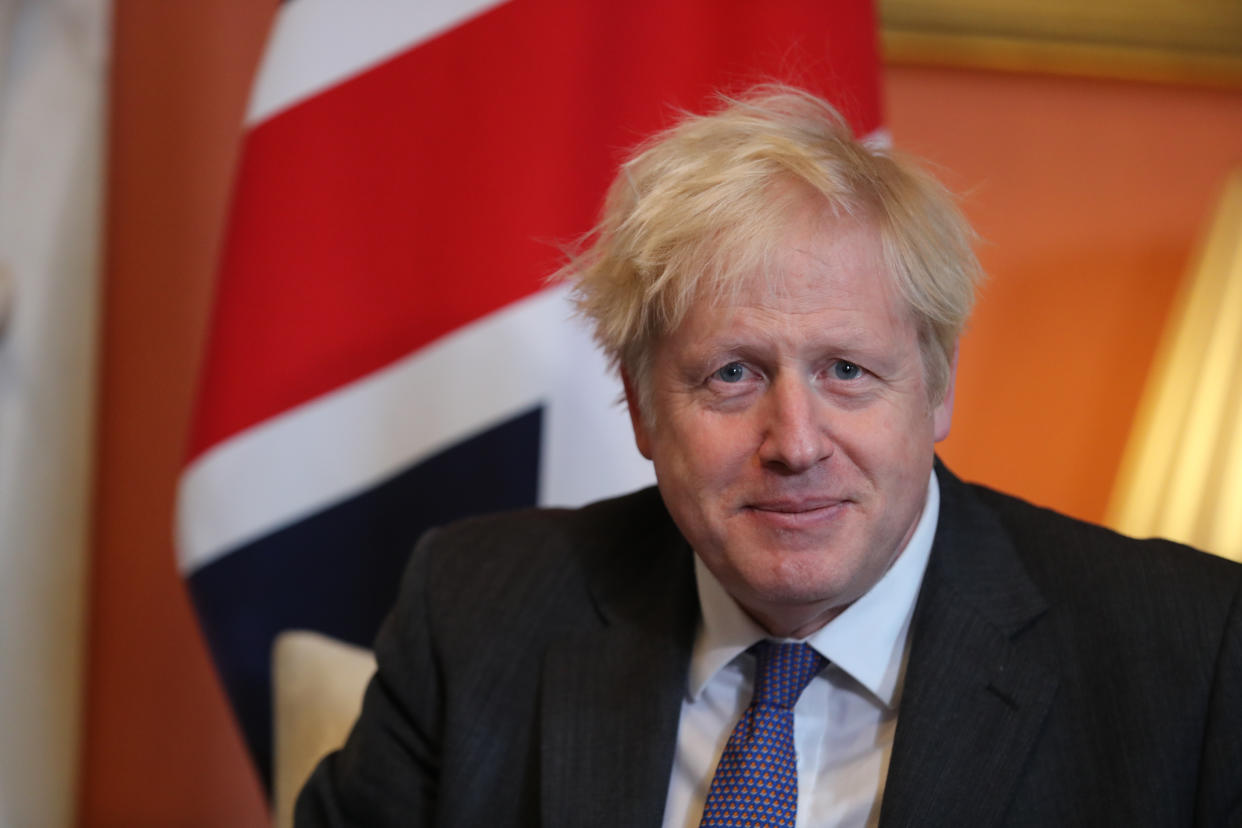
x=337 y=571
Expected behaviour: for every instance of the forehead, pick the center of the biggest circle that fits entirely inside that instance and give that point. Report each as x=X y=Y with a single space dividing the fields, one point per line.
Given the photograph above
x=830 y=268
x=821 y=260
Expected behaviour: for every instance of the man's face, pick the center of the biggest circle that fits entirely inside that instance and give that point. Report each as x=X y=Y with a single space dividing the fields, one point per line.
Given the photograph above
x=791 y=429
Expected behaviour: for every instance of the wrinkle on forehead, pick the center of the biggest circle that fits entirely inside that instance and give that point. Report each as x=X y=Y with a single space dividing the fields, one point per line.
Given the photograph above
x=798 y=277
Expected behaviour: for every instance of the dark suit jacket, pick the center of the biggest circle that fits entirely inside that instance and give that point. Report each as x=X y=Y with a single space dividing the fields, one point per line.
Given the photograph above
x=1059 y=675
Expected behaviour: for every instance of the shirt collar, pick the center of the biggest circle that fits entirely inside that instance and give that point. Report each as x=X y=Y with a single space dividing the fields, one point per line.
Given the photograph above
x=867 y=640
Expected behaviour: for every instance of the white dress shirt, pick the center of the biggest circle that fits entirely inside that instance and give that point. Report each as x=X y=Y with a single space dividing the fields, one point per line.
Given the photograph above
x=845 y=719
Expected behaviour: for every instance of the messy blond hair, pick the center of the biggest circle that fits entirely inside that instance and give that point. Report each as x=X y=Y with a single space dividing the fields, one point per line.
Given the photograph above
x=700 y=208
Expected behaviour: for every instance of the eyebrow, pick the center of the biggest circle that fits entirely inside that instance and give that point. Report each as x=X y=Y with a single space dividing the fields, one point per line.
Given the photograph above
x=854 y=338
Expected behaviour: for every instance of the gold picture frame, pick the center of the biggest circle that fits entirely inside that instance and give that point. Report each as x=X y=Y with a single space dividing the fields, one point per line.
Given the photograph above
x=1178 y=41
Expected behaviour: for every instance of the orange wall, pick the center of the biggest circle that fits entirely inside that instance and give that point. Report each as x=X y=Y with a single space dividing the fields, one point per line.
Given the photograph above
x=1088 y=195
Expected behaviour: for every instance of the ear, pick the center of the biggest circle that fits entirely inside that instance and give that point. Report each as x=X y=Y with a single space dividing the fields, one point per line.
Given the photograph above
x=942 y=414
x=642 y=437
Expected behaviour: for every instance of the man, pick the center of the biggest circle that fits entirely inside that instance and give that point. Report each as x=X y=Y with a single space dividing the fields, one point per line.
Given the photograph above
x=783 y=304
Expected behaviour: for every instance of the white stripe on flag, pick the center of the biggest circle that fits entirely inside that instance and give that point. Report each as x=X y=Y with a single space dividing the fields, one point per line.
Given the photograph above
x=297 y=463
x=316 y=44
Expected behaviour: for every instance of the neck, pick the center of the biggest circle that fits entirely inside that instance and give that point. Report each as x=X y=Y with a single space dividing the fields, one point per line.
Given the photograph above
x=789 y=625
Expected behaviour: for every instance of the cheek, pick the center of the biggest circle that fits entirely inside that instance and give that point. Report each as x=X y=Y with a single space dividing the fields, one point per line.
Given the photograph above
x=707 y=454
x=890 y=440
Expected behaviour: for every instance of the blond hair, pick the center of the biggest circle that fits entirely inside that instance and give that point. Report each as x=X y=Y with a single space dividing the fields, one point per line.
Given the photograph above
x=699 y=208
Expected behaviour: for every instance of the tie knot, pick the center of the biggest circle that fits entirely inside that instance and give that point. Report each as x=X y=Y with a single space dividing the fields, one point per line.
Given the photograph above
x=783 y=671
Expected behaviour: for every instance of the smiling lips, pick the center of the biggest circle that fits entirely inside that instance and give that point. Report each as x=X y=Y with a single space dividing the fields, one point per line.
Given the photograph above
x=795 y=513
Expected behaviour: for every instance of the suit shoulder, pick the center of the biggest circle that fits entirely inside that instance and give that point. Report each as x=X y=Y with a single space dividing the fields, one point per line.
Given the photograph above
x=549 y=531
x=508 y=555
x=1057 y=546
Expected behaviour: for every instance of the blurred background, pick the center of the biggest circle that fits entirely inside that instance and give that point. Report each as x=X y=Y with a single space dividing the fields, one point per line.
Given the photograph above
x=1093 y=157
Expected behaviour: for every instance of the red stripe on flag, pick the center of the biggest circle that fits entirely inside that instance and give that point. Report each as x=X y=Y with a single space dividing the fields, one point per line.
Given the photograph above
x=431 y=190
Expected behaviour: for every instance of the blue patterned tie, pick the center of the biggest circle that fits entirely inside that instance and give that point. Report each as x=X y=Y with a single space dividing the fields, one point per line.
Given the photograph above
x=756 y=782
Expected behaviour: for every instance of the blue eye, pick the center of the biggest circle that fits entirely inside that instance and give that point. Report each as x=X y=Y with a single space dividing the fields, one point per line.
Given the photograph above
x=845 y=370
x=733 y=372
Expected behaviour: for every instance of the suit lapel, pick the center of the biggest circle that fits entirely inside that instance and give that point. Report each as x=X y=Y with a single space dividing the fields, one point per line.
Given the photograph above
x=612 y=695
x=976 y=693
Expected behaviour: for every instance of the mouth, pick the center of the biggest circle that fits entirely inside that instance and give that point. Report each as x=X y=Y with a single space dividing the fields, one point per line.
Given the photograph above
x=797 y=513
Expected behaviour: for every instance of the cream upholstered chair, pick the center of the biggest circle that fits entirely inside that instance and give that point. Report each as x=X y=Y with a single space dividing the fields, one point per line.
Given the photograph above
x=317 y=687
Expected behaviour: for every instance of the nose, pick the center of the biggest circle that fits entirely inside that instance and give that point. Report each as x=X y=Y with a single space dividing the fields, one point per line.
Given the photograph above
x=795 y=436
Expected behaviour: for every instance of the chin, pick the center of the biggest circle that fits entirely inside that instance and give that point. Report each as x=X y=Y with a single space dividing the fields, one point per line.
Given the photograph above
x=789 y=582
